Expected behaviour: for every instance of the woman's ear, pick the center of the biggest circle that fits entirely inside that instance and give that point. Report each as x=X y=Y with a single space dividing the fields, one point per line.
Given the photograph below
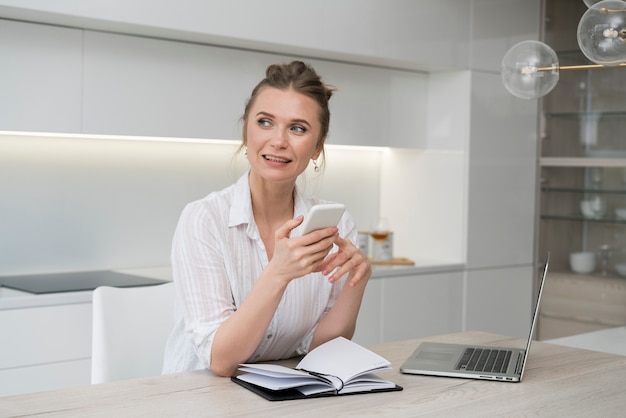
x=319 y=149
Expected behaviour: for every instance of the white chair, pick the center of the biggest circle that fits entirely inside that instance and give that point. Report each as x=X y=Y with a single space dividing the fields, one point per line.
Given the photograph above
x=130 y=328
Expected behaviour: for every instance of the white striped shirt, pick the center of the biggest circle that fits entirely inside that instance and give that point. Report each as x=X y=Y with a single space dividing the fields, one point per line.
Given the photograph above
x=217 y=256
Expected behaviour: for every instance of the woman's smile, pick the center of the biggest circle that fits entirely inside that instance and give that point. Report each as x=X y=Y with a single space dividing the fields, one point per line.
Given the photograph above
x=275 y=159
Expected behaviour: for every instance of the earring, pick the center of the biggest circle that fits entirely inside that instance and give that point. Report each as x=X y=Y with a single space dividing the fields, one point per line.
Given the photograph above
x=315 y=167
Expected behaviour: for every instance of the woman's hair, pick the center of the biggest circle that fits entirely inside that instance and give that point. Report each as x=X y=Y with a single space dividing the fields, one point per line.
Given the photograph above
x=301 y=78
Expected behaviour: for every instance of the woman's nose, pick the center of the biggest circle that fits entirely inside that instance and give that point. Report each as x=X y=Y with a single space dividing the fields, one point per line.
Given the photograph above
x=279 y=139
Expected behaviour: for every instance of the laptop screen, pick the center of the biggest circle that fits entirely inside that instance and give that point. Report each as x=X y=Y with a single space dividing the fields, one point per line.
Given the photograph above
x=535 y=315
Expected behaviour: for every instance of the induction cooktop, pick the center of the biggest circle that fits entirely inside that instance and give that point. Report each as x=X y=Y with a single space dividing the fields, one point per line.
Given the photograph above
x=74 y=281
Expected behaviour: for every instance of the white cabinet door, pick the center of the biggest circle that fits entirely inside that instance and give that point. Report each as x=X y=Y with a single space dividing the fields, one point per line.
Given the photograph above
x=40 y=377
x=374 y=106
x=45 y=334
x=140 y=86
x=500 y=300
x=422 y=305
x=70 y=80
x=502 y=167
x=150 y=87
x=45 y=347
x=41 y=77
x=369 y=323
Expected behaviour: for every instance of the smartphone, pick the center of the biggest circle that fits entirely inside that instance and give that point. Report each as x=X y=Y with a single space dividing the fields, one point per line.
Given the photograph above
x=323 y=216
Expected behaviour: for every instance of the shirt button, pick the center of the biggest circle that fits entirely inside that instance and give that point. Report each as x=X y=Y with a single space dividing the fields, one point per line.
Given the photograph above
x=269 y=336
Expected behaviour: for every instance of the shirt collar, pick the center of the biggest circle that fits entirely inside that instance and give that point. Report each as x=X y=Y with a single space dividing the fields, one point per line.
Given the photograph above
x=241 y=207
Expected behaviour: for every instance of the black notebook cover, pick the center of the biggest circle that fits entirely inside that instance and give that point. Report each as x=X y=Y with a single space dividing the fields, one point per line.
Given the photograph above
x=291 y=394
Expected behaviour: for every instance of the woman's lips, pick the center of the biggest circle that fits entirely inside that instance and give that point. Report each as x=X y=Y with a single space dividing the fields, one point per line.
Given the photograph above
x=275 y=159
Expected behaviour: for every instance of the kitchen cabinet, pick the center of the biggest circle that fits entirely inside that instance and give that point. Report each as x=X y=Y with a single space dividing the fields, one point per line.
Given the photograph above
x=410 y=306
x=576 y=303
x=421 y=304
x=41 y=77
x=47 y=335
x=141 y=86
x=370 y=320
x=45 y=348
x=501 y=176
x=82 y=81
x=583 y=159
x=500 y=300
x=156 y=87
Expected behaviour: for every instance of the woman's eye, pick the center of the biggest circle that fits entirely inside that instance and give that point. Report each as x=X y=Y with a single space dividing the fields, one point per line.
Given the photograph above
x=264 y=122
x=298 y=129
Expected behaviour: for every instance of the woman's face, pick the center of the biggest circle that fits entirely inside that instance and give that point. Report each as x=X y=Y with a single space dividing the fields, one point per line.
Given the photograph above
x=282 y=131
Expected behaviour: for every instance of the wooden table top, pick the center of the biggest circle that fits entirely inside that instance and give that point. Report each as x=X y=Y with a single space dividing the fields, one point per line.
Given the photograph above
x=559 y=381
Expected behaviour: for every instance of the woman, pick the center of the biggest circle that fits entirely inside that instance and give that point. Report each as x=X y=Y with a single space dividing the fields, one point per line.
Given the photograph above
x=246 y=289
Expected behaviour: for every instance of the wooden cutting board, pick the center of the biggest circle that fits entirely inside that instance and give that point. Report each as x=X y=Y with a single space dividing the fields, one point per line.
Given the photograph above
x=399 y=261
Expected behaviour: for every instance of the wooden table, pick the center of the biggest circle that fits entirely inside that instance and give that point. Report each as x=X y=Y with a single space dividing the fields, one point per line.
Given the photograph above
x=559 y=382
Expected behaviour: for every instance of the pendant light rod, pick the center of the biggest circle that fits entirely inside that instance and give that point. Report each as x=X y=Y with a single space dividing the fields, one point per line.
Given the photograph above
x=579 y=67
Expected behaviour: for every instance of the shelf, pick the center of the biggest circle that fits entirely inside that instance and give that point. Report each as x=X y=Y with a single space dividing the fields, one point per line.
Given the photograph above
x=580 y=218
x=568 y=115
x=582 y=190
x=582 y=162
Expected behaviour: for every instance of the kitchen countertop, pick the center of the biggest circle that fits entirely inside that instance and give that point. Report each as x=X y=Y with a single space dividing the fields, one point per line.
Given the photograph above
x=15 y=299
x=421 y=266
x=611 y=340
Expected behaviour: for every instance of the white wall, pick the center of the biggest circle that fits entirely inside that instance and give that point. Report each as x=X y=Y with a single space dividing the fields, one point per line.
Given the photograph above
x=422 y=195
x=84 y=203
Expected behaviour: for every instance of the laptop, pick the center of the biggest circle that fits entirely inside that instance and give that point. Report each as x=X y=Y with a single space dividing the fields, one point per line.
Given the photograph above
x=503 y=364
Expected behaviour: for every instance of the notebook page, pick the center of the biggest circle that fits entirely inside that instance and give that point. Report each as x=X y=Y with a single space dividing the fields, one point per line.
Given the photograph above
x=343 y=358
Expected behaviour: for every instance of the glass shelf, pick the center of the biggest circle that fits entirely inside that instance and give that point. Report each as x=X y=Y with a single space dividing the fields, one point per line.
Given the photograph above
x=588 y=161
x=583 y=190
x=568 y=115
x=580 y=218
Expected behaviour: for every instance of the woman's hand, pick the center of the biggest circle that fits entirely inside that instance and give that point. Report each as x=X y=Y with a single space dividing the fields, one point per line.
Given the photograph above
x=348 y=259
x=298 y=256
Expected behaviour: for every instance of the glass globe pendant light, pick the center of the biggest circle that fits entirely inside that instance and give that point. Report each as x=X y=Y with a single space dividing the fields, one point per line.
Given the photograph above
x=602 y=32
x=530 y=69
x=590 y=3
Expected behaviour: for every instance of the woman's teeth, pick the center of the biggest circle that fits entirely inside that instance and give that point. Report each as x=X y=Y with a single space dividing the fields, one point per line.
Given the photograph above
x=276 y=159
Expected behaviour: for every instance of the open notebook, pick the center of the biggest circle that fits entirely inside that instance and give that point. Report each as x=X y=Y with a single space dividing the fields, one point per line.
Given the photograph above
x=337 y=367
x=504 y=364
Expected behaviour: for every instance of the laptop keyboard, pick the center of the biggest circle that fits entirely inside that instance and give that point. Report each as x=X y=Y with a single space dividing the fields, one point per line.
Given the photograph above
x=484 y=360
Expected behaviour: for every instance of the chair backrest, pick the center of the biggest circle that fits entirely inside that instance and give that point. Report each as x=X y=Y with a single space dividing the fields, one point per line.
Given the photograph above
x=130 y=328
